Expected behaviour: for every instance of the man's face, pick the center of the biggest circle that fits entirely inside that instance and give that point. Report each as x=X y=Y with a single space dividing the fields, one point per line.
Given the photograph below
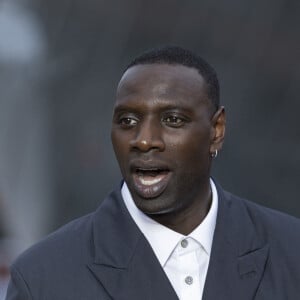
x=163 y=133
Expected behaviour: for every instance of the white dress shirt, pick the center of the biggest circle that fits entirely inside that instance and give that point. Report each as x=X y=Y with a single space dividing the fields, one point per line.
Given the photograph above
x=184 y=259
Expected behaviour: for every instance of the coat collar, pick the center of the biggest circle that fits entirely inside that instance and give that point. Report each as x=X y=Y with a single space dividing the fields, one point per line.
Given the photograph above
x=126 y=266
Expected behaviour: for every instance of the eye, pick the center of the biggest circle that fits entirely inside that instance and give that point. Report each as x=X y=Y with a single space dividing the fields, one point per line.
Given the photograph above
x=173 y=121
x=127 y=122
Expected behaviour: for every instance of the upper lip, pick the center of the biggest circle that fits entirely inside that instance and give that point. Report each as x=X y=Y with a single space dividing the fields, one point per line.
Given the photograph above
x=148 y=165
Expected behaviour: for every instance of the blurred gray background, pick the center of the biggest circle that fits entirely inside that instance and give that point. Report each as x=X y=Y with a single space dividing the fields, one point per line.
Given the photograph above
x=60 y=62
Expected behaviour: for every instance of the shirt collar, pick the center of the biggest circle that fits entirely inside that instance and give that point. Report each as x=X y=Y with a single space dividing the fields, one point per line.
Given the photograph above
x=157 y=234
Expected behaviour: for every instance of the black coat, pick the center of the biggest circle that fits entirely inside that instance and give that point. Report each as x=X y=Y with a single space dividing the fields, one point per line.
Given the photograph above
x=255 y=255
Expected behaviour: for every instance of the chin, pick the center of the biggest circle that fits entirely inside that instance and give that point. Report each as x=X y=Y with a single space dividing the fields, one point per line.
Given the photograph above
x=157 y=206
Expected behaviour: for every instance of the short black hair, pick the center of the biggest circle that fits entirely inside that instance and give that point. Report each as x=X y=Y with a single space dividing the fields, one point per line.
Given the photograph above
x=176 y=55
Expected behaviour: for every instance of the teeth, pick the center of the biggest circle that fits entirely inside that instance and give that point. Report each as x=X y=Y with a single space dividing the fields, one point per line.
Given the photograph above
x=149 y=181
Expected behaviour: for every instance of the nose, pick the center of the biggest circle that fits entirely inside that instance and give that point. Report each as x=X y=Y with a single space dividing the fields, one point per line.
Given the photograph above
x=148 y=137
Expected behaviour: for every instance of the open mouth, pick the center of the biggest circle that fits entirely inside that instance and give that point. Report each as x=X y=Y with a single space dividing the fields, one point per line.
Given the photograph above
x=151 y=176
x=150 y=182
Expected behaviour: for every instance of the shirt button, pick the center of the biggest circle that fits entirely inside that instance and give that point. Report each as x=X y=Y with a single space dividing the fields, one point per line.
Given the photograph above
x=184 y=243
x=188 y=280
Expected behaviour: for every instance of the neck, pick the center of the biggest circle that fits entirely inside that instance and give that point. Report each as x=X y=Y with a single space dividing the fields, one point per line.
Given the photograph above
x=185 y=220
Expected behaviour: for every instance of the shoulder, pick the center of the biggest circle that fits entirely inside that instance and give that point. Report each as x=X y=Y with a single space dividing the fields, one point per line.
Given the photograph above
x=275 y=227
x=55 y=249
x=45 y=270
x=57 y=267
x=73 y=243
x=267 y=216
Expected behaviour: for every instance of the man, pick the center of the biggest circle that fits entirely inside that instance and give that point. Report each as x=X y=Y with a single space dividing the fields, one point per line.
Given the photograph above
x=168 y=231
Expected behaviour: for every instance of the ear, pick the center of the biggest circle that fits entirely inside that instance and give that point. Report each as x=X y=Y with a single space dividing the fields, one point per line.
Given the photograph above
x=218 y=130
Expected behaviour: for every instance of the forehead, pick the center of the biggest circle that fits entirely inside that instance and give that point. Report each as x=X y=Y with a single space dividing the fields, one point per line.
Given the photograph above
x=176 y=82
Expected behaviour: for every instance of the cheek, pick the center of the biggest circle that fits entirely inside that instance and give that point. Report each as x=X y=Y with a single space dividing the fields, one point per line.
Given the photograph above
x=119 y=142
x=193 y=147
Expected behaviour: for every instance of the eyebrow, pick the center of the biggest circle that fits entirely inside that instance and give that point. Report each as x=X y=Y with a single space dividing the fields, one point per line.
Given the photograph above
x=124 y=108
x=166 y=107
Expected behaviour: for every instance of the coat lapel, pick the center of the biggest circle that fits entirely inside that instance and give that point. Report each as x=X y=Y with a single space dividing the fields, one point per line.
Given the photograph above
x=238 y=255
x=125 y=264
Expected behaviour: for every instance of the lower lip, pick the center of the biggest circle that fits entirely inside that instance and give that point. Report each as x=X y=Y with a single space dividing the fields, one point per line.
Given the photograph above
x=151 y=186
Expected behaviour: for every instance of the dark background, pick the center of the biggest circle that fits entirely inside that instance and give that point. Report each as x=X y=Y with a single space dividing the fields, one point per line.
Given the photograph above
x=57 y=97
